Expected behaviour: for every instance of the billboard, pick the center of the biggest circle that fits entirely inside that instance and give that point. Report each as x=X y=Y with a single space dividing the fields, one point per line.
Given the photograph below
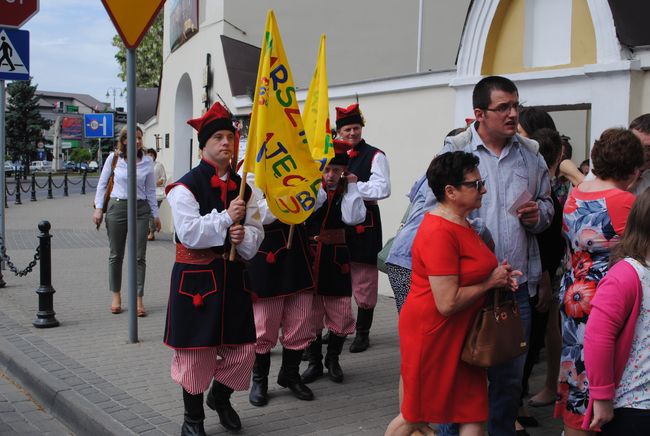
x=71 y=127
x=184 y=21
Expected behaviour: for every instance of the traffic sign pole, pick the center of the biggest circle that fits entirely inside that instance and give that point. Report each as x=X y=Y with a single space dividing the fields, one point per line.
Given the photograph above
x=3 y=180
x=132 y=20
x=132 y=202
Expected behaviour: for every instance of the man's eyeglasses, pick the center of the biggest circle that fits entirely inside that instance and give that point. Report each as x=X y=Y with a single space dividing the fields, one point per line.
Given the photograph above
x=505 y=108
x=476 y=184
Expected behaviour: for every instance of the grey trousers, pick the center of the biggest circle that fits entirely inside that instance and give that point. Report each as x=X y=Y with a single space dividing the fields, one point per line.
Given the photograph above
x=116 y=227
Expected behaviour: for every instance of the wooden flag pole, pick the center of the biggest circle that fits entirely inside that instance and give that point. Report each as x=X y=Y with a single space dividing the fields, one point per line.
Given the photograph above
x=290 y=237
x=242 y=192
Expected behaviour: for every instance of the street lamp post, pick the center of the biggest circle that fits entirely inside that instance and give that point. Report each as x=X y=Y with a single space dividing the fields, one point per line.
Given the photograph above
x=114 y=92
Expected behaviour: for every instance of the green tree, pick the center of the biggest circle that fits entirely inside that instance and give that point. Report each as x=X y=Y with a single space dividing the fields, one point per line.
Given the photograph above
x=24 y=123
x=80 y=155
x=148 y=56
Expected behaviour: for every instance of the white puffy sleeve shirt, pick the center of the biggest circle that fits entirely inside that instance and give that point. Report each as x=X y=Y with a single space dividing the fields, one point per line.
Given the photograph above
x=378 y=185
x=353 y=211
x=198 y=231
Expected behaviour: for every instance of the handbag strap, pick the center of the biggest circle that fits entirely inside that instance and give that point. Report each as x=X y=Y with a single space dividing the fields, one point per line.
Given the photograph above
x=114 y=163
x=404 y=217
x=496 y=302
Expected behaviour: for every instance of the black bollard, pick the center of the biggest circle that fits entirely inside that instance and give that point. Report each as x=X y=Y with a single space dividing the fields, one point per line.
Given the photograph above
x=65 y=184
x=18 y=188
x=49 y=186
x=33 y=188
x=45 y=315
x=83 y=183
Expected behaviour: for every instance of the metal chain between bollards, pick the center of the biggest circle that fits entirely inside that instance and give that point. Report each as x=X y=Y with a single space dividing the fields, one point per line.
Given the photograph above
x=58 y=186
x=74 y=183
x=90 y=185
x=20 y=273
x=39 y=186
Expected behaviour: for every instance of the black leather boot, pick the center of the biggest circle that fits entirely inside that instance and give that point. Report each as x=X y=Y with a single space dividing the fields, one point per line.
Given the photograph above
x=364 y=322
x=315 y=369
x=289 y=377
x=334 y=371
x=194 y=415
x=219 y=400
x=259 y=390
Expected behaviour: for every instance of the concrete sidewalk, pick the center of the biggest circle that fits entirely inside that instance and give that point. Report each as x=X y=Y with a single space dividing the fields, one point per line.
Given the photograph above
x=87 y=375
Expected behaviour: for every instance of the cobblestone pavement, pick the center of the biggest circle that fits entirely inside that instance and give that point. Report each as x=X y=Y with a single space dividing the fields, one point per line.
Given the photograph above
x=101 y=384
x=21 y=415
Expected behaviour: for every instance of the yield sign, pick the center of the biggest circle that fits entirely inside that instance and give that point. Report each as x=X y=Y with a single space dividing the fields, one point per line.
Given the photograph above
x=132 y=18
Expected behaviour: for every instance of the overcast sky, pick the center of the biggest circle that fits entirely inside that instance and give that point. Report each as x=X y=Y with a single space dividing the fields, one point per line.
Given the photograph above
x=71 y=51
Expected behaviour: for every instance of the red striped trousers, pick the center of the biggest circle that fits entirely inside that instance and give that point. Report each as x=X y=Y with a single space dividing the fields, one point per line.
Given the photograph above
x=365 y=284
x=290 y=313
x=230 y=365
x=334 y=313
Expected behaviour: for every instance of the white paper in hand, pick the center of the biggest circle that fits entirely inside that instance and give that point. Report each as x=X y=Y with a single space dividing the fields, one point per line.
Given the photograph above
x=523 y=198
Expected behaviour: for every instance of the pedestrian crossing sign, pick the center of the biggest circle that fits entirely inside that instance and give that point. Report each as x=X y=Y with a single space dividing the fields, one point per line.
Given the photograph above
x=14 y=54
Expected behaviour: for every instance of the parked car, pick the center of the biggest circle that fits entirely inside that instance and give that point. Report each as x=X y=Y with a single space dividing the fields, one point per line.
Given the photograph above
x=40 y=166
x=82 y=166
x=70 y=166
x=93 y=165
x=9 y=169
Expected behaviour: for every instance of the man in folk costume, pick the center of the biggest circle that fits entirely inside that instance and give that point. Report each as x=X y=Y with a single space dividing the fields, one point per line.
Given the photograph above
x=280 y=277
x=370 y=165
x=210 y=321
x=338 y=205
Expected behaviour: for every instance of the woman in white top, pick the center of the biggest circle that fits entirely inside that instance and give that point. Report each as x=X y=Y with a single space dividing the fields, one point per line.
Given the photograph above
x=116 y=215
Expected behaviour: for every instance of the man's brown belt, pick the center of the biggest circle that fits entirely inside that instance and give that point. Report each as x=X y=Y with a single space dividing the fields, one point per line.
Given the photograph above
x=331 y=237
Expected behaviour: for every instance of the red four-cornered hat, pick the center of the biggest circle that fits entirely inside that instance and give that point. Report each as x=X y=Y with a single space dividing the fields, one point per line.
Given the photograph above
x=214 y=119
x=349 y=115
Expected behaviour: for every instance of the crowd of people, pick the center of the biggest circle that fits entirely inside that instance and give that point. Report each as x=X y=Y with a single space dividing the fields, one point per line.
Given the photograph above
x=554 y=227
x=506 y=210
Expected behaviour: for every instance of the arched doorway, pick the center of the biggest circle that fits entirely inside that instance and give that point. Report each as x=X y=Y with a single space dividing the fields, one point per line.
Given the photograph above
x=183 y=148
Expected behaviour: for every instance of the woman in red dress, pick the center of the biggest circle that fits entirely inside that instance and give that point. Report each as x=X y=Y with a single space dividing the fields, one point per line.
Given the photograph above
x=452 y=271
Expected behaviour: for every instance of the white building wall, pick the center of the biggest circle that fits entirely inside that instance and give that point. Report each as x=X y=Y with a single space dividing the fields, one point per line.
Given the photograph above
x=409 y=126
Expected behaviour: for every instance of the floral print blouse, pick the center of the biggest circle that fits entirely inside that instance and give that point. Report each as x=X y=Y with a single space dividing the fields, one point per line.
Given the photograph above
x=593 y=223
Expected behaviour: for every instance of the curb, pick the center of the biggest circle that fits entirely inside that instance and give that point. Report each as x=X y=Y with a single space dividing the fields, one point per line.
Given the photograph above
x=72 y=409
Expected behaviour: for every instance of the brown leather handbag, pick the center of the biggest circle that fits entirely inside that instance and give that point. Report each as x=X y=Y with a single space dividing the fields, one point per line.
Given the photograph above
x=109 y=184
x=497 y=334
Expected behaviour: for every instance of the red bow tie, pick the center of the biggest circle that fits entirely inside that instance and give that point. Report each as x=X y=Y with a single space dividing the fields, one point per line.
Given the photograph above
x=223 y=186
x=353 y=153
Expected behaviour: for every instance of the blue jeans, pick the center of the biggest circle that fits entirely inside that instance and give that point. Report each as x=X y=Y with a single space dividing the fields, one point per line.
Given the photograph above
x=504 y=389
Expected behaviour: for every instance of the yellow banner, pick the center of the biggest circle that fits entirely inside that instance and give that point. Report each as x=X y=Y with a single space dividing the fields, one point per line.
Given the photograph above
x=316 y=113
x=277 y=150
